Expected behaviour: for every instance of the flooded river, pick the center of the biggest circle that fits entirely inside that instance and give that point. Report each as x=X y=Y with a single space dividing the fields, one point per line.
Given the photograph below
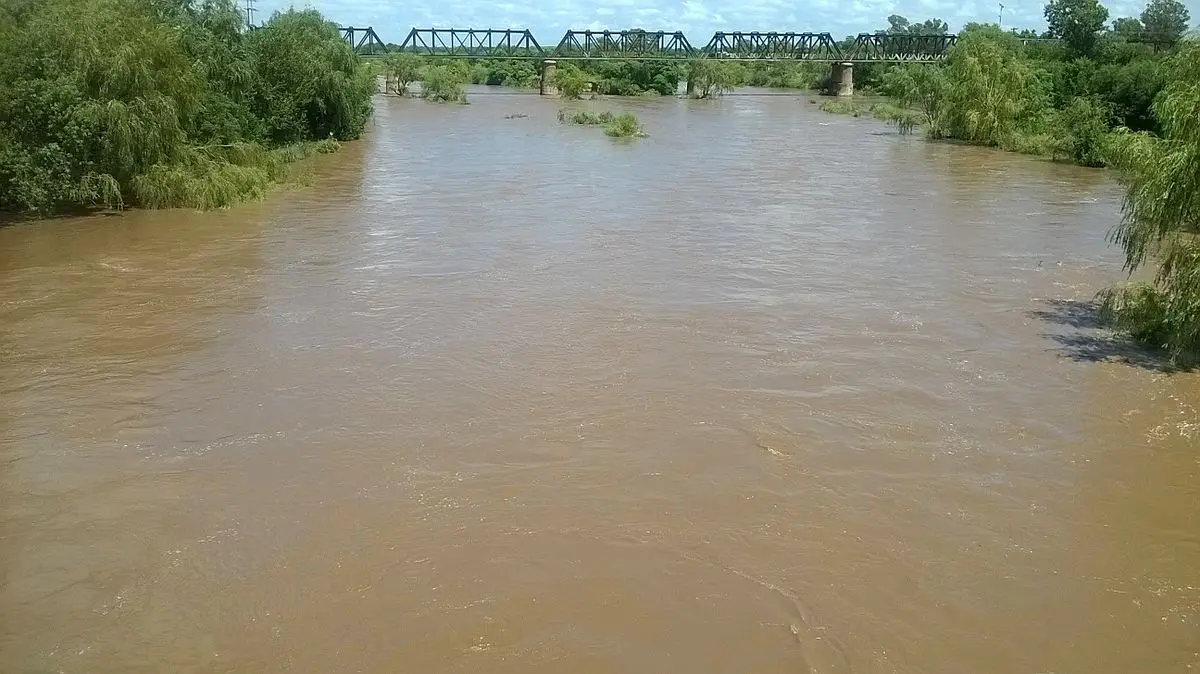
x=768 y=391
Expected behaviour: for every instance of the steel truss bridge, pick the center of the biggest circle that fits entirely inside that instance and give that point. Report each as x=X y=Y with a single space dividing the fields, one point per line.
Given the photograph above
x=658 y=45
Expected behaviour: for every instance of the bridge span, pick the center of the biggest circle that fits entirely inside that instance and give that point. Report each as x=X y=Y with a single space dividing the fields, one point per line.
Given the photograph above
x=508 y=43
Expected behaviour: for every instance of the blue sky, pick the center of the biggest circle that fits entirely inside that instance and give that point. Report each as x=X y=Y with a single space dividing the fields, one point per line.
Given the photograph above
x=698 y=19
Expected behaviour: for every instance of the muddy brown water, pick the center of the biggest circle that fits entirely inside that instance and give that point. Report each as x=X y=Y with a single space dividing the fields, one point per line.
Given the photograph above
x=768 y=391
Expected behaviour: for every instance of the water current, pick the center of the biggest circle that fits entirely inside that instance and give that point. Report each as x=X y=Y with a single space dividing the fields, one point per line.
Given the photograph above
x=767 y=391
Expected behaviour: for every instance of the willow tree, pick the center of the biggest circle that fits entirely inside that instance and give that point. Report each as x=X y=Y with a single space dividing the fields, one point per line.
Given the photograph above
x=989 y=90
x=1161 y=222
x=163 y=102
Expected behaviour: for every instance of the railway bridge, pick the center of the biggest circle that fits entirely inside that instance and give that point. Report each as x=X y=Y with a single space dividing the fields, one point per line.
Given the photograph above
x=473 y=43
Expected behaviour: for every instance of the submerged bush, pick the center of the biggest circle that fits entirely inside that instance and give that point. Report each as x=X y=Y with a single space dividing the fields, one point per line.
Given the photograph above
x=586 y=118
x=624 y=126
x=841 y=108
x=617 y=126
x=444 y=84
x=708 y=78
x=904 y=120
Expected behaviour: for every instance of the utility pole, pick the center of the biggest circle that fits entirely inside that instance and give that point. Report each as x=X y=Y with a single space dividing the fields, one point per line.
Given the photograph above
x=1001 y=13
x=250 y=10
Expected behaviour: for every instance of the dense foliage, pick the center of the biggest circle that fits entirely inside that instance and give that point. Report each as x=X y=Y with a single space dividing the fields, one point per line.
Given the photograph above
x=164 y=102
x=1162 y=217
x=1126 y=96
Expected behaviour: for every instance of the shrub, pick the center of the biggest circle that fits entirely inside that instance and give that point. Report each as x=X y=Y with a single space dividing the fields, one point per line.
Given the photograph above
x=444 y=84
x=624 y=126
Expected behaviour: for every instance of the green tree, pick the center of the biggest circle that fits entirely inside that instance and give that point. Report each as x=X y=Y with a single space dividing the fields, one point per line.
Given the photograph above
x=312 y=85
x=709 y=78
x=1128 y=28
x=570 y=81
x=922 y=88
x=444 y=84
x=1077 y=23
x=401 y=69
x=989 y=89
x=899 y=25
x=1165 y=20
x=1162 y=218
x=1081 y=132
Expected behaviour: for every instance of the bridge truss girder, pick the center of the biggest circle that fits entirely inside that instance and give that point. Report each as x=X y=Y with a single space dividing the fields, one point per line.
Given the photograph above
x=363 y=40
x=624 y=44
x=878 y=47
x=473 y=43
x=772 y=46
x=664 y=45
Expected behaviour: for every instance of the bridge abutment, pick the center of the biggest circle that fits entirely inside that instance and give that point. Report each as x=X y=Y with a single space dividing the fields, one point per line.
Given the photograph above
x=843 y=78
x=547 y=87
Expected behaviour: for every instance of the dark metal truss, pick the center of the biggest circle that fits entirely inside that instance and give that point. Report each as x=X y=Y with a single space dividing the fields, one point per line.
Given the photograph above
x=661 y=45
x=773 y=46
x=472 y=43
x=363 y=40
x=893 y=48
x=623 y=44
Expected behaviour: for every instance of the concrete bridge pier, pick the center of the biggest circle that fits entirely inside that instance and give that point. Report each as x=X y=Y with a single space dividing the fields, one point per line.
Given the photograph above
x=547 y=87
x=690 y=87
x=843 y=78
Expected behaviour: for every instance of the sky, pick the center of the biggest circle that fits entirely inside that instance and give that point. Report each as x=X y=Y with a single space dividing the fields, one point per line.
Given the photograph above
x=698 y=19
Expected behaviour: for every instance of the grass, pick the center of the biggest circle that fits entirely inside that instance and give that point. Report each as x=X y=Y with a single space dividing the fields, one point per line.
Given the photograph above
x=1038 y=144
x=586 y=118
x=841 y=108
x=903 y=119
x=219 y=176
x=616 y=126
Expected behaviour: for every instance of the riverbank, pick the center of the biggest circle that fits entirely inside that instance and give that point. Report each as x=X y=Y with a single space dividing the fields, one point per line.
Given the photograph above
x=116 y=103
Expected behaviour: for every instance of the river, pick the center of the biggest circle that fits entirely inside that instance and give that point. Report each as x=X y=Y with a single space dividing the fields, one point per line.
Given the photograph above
x=767 y=391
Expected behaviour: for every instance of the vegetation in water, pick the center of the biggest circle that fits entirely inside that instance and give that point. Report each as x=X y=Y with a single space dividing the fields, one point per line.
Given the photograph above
x=400 y=70
x=708 y=78
x=585 y=118
x=903 y=119
x=624 y=125
x=444 y=83
x=165 y=102
x=840 y=107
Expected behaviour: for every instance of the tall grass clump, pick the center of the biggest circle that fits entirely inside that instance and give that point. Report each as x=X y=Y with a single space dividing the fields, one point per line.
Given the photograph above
x=841 y=108
x=904 y=120
x=585 y=118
